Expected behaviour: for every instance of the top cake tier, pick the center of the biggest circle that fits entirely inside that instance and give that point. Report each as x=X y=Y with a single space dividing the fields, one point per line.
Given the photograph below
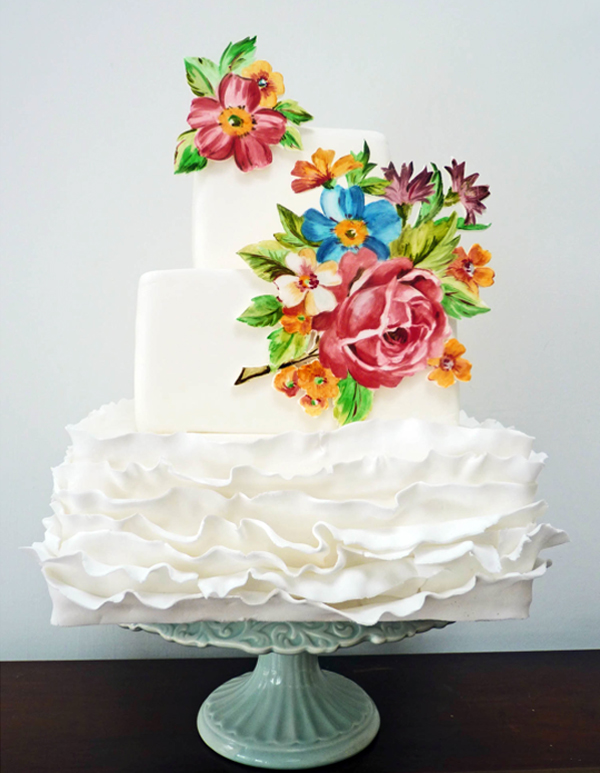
x=232 y=209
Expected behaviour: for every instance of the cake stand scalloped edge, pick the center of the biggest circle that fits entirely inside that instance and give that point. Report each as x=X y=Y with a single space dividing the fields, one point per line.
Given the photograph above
x=285 y=638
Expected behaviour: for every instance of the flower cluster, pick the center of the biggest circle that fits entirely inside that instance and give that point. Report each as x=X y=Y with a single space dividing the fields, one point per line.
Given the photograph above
x=236 y=112
x=362 y=290
x=317 y=382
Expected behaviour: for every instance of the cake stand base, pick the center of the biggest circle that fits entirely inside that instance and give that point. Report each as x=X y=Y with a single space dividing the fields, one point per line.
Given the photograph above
x=289 y=714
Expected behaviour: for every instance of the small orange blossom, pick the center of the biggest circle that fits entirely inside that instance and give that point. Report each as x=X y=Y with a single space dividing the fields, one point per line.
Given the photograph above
x=450 y=365
x=313 y=405
x=270 y=83
x=317 y=381
x=322 y=169
x=470 y=268
x=286 y=381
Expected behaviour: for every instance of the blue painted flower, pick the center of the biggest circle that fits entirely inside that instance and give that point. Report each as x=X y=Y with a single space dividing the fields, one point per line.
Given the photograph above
x=347 y=224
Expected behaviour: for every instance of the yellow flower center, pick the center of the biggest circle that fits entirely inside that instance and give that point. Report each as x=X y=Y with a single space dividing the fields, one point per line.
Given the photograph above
x=236 y=121
x=263 y=82
x=447 y=363
x=351 y=233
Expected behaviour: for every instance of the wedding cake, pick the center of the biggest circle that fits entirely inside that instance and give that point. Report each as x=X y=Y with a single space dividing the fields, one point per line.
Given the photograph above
x=295 y=449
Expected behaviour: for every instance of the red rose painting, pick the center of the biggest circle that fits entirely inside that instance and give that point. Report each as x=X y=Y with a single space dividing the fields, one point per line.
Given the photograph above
x=391 y=323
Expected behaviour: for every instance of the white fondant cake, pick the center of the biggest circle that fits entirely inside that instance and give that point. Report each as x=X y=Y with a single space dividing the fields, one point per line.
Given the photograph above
x=216 y=496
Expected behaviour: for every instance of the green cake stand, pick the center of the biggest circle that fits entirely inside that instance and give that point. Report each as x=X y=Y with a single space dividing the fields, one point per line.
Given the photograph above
x=287 y=713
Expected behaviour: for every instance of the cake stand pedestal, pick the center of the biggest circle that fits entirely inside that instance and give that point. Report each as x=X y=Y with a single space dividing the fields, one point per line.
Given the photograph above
x=287 y=713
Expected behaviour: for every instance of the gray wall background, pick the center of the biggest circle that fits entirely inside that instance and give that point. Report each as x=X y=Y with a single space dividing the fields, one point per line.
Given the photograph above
x=93 y=97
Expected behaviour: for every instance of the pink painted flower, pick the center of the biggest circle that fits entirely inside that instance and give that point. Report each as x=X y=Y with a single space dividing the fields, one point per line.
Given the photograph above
x=469 y=194
x=387 y=328
x=403 y=190
x=310 y=284
x=235 y=125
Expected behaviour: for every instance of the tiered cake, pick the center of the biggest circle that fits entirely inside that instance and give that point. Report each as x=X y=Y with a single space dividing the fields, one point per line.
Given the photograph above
x=317 y=469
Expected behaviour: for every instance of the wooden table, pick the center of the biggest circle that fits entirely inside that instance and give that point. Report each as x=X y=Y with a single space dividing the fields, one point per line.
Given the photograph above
x=535 y=711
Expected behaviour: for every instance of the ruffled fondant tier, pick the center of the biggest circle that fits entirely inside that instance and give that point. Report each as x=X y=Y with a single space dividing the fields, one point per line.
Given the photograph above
x=374 y=521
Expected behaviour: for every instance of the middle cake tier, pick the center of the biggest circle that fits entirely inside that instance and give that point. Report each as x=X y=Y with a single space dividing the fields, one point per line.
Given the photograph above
x=191 y=348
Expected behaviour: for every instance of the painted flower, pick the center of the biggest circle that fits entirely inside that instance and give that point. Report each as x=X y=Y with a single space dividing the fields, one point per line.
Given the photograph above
x=296 y=321
x=322 y=170
x=309 y=284
x=270 y=83
x=470 y=268
x=403 y=190
x=347 y=224
x=286 y=381
x=388 y=327
x=313 y=405
x=450 y=365
x=235 y=125
x=469 y=194
x=318 y=382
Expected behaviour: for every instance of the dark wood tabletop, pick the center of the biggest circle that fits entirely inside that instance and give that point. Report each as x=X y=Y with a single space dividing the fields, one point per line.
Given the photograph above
x=534 y=711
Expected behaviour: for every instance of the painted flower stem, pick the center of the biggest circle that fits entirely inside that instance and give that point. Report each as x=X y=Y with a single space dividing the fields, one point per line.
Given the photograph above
x=403 y=211
x=249 y=373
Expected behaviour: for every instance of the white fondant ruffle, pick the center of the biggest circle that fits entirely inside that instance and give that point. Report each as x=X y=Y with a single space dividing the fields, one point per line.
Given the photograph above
x=374 y=521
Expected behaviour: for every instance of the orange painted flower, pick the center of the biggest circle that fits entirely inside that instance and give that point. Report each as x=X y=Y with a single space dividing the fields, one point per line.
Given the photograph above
x=470 y=268
x=270 y=83
x=318 y=382
x=286 y=381
x=313 y=405
x=450 y=365
x=322 y=170
x=298 y=322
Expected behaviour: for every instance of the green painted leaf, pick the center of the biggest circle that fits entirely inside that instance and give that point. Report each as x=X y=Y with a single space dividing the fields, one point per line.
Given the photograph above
x=289 y=242
x=292 y=111
x=462 y=226
x=429 y=245
x=264 y=311
x=266 y=259
x=355 y=176
x=459 y=302
x=237 y=56
x=285 y=347
x=291 y=138
x=187 y=157
x=430 y=208
x=439 y=256
x=353 y=403
x=375 y=186
x=202 y=76
x=292 y=224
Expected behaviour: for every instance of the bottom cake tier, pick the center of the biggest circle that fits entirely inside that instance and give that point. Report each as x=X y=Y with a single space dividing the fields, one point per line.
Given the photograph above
x=379 y=520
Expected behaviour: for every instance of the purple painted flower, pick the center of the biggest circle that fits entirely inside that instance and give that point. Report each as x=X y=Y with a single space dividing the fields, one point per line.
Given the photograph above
x=470 y=195
x=403 y=190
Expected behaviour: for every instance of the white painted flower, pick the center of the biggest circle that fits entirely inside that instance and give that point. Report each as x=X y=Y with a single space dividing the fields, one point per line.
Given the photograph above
x=309 y=283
